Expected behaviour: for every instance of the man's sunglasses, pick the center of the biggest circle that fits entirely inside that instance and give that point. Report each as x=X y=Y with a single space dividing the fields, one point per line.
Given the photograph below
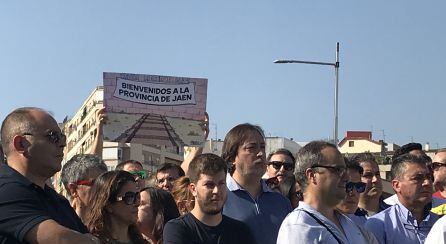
x=129 y=198
x=53 y=136
x=277 y=165
x=142 y=174
x=359 y=186
x=436 y=166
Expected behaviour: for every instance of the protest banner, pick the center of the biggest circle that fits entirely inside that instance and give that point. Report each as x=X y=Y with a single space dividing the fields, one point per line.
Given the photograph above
x=154 y=110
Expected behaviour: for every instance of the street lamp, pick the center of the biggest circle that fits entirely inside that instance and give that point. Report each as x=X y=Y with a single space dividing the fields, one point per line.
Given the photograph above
x=336 y=66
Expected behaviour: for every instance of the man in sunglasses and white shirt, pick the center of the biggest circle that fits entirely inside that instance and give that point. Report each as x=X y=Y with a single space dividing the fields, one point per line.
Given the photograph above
x=321 y=172
x=30 y=211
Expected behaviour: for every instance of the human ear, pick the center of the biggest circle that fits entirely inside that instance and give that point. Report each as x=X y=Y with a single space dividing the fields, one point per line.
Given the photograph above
x=72 y=190
x=311 y=176
x=192 y=189
x=19 y=143
x=396 y=186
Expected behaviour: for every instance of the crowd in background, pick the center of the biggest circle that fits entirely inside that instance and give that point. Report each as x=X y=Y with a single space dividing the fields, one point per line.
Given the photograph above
x=241 y=196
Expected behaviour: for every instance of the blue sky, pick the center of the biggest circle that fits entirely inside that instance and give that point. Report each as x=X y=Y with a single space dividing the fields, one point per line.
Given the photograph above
x=53 y=53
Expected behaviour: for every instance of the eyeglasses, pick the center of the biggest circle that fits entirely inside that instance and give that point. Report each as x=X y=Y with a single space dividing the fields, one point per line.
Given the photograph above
x=84 y=182
x=359 y=186
x=339 y=170
x=53 y=136
x=277 y=165
x=436 y=166
x=129 y=198
x=142 y=174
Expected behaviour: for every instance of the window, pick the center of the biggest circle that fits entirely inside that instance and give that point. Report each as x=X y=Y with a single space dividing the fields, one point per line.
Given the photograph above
x=351 y=143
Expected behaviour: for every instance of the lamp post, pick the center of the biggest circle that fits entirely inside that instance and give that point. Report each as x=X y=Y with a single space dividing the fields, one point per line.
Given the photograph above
x=336 y=66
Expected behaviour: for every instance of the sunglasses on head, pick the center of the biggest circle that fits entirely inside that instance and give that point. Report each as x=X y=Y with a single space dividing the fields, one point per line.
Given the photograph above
x=277 y=165
x=129 y=198
x=53 y=136
x=142 y=174
x=359 y=186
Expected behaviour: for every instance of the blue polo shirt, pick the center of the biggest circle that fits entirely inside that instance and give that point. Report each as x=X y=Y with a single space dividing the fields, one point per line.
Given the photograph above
x=397 y=225
x=263 y=215
x=24 y=204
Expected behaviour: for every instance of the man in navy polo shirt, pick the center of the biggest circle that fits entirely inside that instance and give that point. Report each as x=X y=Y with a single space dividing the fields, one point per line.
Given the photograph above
x=249 y=198
x=30 y=211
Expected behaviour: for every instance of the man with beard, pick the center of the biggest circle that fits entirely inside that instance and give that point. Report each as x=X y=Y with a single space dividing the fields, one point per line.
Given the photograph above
x=409 y=220
x=250 y=200
x=322 y=174
x=205 y=223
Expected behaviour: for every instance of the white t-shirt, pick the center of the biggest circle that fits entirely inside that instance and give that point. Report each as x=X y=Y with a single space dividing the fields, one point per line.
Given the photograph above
x=437 y=235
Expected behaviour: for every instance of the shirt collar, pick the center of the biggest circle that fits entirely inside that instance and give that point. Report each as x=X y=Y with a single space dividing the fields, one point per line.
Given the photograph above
x=404 y=212
x=234 y=186
x=11 y=174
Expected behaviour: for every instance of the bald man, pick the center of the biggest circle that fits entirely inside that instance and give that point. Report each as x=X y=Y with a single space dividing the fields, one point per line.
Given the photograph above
x=30 y=211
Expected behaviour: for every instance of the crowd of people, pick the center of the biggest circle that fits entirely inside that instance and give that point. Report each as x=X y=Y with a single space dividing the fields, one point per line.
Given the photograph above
x=242 y=196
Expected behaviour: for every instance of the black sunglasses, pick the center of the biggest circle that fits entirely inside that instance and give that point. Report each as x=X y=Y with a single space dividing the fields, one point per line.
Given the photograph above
x=129 y=198
x=339 y=170
x=436 y=166
x=53 y=136
x=277 y=165
x=359 y=186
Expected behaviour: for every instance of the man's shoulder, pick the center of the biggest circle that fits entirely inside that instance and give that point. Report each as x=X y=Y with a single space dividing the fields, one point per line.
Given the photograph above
x=384 y=213
x=300 y=216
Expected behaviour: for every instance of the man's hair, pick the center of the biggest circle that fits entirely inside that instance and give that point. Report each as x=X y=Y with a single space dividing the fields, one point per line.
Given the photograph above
x=208 y=163
x=407 y=148
x=17 y=122
x=235 y=138
x=78 y=167
x=167 y=166
x=307 y=156
x=353 y=165
x=282 y=151
x=398 y=167
x=121 y=165
x=363 y=157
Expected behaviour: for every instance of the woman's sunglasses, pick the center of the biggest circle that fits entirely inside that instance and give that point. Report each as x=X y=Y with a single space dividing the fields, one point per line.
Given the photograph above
x=359 y=186
x=129 y=198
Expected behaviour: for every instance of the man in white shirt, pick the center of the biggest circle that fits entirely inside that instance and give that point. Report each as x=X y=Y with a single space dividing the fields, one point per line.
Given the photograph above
x=321 y=172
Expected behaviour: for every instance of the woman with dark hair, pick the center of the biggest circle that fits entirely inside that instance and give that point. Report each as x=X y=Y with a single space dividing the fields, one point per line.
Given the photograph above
x=156 y=208
x=114 y=202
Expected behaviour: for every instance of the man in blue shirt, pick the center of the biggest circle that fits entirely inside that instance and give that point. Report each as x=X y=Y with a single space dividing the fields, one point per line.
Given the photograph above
x=409 y=220
x=249 y=199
